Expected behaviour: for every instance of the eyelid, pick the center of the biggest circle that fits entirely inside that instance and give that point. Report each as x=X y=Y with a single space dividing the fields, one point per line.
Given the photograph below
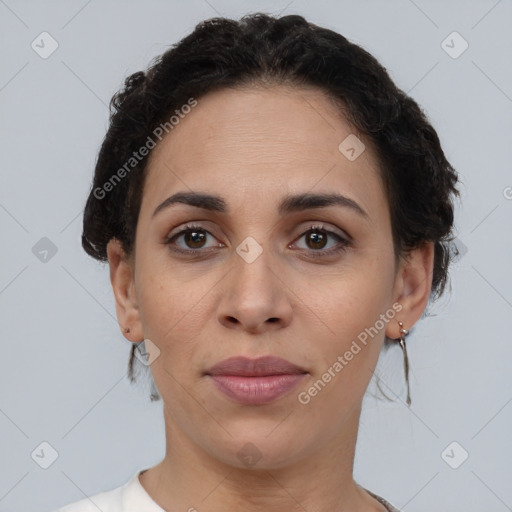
x=322 y=226
x=193 y=224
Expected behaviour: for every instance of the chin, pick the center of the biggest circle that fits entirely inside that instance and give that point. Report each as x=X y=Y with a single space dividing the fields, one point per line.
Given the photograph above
x=259 y=449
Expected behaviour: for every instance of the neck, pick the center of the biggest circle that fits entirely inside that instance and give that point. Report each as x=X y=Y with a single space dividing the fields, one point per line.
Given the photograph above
x=191 y=479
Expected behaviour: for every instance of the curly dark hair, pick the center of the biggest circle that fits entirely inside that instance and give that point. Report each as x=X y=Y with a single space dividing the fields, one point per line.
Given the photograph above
x=261 y=49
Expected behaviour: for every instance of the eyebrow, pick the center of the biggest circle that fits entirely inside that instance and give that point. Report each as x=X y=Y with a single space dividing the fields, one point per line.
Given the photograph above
x=289 y=204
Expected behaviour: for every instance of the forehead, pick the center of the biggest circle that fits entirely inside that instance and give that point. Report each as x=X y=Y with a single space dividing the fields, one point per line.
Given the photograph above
x=253 y=138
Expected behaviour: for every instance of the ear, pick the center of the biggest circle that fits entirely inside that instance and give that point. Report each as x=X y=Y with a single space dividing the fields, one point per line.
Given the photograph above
x=413 y=285
x=123 y=286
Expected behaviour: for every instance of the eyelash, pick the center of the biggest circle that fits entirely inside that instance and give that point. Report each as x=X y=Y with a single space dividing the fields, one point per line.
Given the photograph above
x=342 y=245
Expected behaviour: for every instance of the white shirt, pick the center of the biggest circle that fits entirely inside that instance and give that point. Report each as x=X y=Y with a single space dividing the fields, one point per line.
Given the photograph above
x=132 y=497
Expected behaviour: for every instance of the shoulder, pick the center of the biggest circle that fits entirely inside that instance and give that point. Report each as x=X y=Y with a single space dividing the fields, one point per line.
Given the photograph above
x=380 y=499
x=106 y=501
x=130 y=497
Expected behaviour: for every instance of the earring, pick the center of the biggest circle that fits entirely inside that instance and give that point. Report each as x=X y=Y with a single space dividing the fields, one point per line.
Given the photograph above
x=127 y=330
x=403 y=333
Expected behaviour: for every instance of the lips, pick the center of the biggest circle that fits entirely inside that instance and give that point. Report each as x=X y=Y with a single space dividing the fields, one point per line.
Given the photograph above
x=260 y=367
x=253 y=382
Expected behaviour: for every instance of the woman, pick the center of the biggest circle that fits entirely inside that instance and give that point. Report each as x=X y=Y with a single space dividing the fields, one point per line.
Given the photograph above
x=273 y=210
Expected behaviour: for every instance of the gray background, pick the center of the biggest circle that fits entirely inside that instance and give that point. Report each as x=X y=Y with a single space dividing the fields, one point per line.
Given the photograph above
x=63 y=365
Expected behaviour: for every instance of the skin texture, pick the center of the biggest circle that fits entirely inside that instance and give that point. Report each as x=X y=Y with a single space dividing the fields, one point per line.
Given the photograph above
x=253 y=146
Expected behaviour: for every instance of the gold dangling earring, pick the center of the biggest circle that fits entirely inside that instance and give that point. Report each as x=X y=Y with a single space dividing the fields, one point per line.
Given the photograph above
x=403 y=333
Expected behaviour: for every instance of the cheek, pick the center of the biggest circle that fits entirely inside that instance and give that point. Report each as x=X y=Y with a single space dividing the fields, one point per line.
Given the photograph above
x=350 y=300
x=351 y=317
x=349 y=310
x=172 y=309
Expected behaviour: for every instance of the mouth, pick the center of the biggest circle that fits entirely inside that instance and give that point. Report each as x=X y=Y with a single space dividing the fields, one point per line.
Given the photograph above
x=260 y=367
x=255 y=381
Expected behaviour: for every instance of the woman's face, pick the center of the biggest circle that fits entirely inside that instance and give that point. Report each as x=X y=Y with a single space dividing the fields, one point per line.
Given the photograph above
x=261 y=272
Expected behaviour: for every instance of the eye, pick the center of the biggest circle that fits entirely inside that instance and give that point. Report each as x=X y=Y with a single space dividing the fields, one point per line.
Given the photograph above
x=317 y=238
x=194 y=241
x=194 y=237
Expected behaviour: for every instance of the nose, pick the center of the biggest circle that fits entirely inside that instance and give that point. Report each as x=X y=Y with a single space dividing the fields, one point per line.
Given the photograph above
x=255 y=297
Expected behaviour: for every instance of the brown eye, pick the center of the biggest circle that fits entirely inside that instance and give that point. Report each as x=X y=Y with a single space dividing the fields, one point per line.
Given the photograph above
x=318 y=242
x=316 y=239
x=194 y=239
